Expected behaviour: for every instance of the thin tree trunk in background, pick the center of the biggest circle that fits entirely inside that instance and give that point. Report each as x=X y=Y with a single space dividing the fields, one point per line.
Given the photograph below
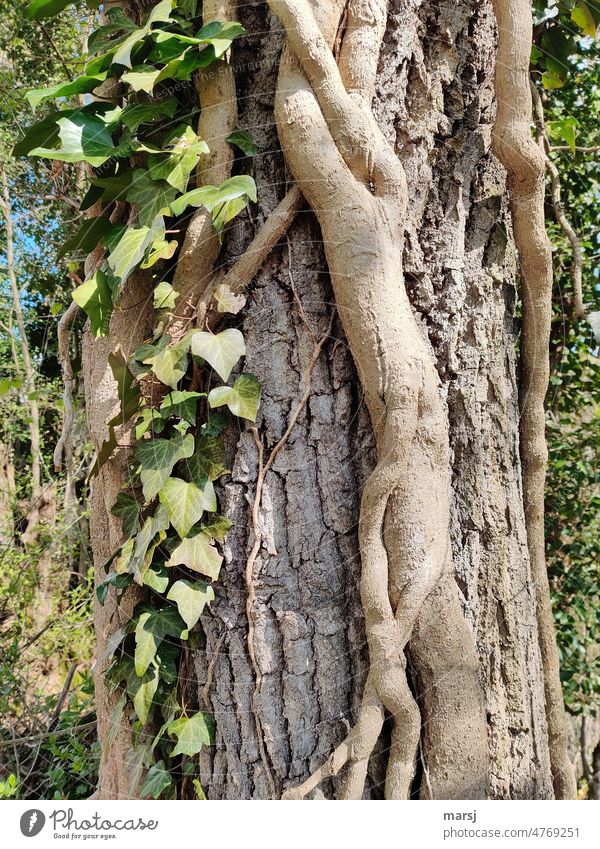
x=7 y=494
x=30 y=382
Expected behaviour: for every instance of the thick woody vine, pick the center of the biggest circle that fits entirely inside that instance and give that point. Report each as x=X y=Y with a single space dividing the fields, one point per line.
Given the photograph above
x=151 y=153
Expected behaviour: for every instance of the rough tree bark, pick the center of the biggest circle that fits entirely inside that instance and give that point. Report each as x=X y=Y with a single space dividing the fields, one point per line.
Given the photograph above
x=474 y=662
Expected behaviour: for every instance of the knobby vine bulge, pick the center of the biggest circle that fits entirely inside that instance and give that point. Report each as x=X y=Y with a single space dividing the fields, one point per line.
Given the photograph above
x=156 y=138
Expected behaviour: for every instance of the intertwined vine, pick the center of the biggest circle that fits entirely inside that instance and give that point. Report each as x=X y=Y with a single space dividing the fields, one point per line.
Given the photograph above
x=139 y=159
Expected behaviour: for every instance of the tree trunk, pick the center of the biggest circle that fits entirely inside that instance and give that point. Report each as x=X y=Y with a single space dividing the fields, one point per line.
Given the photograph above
x=435 y=101
x=476 y=634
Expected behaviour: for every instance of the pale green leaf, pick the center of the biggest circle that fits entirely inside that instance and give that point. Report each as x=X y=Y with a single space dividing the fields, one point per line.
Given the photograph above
x=551 y=80
x=130 y=251
x=185 y=503
x=143 y=690
x=223 y=202
x=192 y=734
x=95 y=299
x=243 y=398
x=198 y=554
x=165 y=296
x=221 y=350
x=227 y=301
x=170 y=363
x=143 y=78
x=191 y=599
x=584 y=19
x=159 y=14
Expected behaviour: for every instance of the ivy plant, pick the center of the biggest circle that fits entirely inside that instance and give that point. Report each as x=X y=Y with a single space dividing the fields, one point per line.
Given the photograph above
x=145 y=152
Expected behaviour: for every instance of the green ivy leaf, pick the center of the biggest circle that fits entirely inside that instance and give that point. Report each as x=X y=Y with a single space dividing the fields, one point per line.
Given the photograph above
x=191 y=599
x=170 y=362
x=185 y=503
x=81 y=85
x=156 y=782
x=183 y=151
x=161 y=13
x=207 y=461
x=157 y=578
x=142 y=689
x=243 y=140
x=159 y=249
x=91 y=234
x=151 y=196
x=152 y=626
x=216 y=424
x=149 y=419
x=220 y=35
x=165 y=296
x=181 y=404
x=223 y=202
x=584 y=19
x=131 y=248
x=137 y=114
x=104 y=38
x=129 y=394
x=95 y=299
x=217 y=527
x=243 y=398
x=37 y=10
x=127 y=508
x=113 y=580
x=201 y=795
x=83 y=137
x=565 y=129
x=198 y=554
x=192 y=734
x=551 y=80
x=145 y=543
x=143 y=78
x=221 y=350
x=157 y=457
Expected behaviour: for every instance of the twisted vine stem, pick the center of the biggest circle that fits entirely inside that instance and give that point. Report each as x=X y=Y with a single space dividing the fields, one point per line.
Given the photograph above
x=356 y=186
x=525 y=164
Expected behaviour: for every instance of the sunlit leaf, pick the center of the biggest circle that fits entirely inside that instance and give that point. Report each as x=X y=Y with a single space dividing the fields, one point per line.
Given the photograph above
x=186 y=502
x=95 y=299
x=191 y=599
x=243 y=398
x=221 y=350
x=192 y=734
x=80 y=85
x=198 y=554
